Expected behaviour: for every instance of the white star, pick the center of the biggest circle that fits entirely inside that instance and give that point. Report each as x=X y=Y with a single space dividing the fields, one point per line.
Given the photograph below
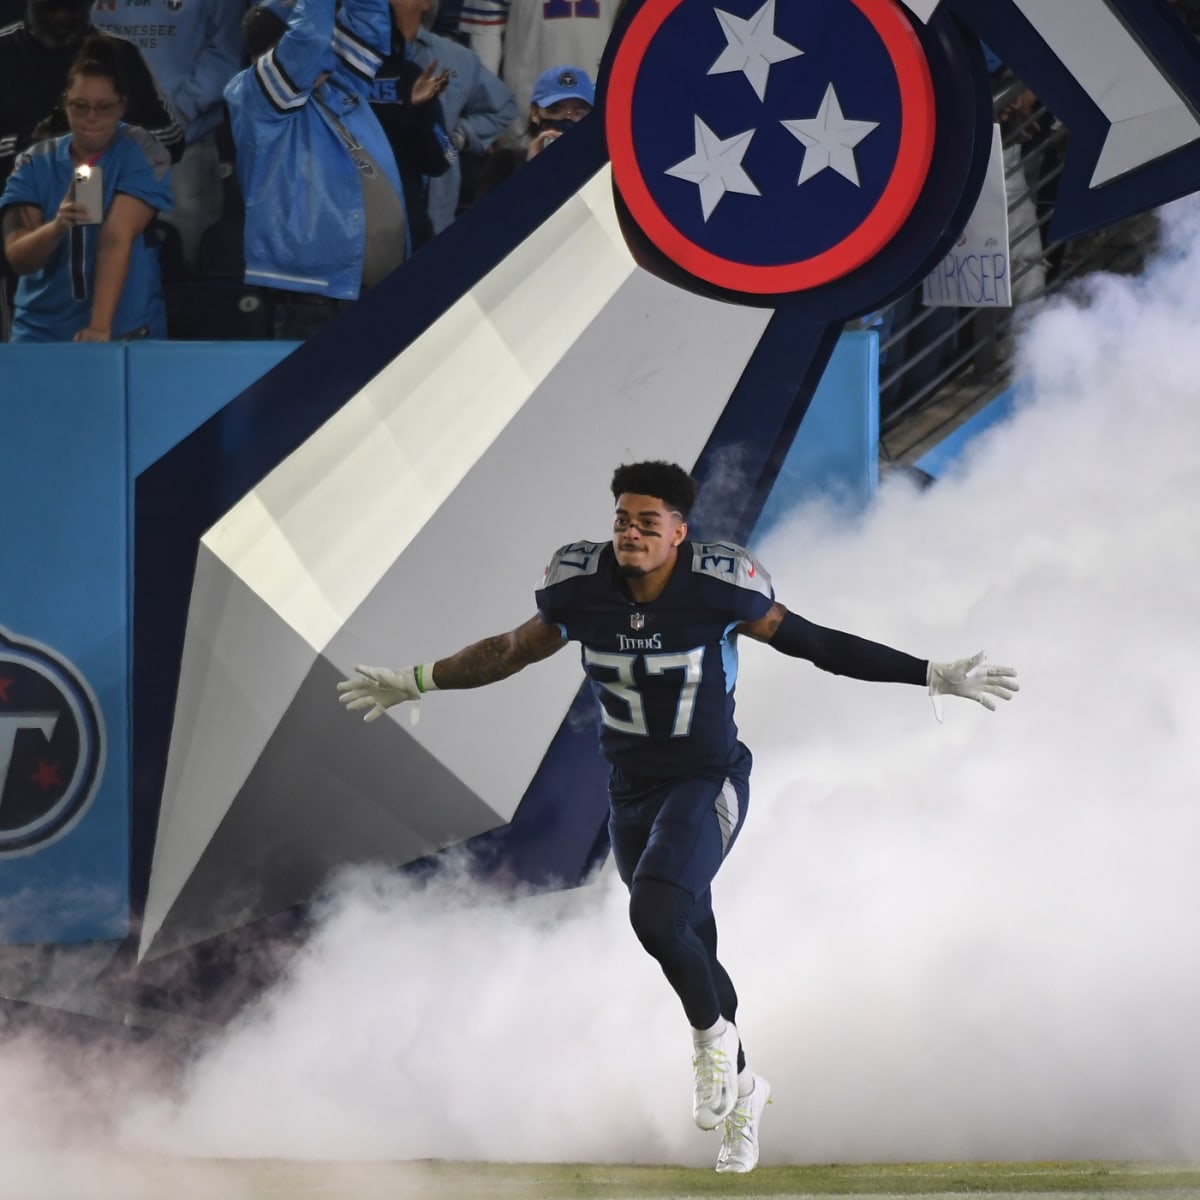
x=829 y=139
x=752 y=47
x=716 y=166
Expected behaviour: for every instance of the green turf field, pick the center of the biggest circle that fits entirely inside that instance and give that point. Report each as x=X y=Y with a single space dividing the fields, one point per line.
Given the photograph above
x=901 y=1179
x=80 y=1175
x=890 y=1180
x=572 y=1181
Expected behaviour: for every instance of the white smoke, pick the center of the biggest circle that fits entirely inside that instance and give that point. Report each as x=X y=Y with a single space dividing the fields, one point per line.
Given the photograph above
x=963 y=940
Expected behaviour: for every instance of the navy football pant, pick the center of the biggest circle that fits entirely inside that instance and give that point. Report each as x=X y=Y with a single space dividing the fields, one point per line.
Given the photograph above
x=669 y=838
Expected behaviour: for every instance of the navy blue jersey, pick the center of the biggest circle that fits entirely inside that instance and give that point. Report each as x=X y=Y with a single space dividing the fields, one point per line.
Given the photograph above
x=663 y=672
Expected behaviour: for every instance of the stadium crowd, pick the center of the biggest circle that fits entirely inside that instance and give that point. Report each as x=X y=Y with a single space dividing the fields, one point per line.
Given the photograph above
x=302 y=149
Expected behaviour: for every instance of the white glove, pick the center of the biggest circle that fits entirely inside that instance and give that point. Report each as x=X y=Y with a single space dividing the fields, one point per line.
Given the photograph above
x=378 y=688
x=969 y=677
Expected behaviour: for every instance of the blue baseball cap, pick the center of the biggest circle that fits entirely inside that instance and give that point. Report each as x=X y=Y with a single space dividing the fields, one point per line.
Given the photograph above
x=563 y=83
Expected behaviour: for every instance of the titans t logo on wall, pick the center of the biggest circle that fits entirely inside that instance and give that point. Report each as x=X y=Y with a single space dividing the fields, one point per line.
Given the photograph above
x=51 y=746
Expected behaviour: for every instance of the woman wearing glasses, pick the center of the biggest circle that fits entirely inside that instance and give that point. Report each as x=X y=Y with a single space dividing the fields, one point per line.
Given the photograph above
x=75 y=212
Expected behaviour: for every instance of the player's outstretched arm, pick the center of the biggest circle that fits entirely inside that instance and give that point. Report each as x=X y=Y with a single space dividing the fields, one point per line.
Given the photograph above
x=486 y=661
x=846 y=654
x=496 y=658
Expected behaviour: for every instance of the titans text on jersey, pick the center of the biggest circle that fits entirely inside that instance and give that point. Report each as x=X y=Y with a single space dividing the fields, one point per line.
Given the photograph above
x=663 y=673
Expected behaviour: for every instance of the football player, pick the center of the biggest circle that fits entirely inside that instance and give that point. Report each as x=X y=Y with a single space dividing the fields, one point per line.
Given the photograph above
x=658 y=618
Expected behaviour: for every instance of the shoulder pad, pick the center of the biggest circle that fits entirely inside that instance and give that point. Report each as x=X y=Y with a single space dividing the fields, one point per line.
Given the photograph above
x=573 y=560
x=731 y=564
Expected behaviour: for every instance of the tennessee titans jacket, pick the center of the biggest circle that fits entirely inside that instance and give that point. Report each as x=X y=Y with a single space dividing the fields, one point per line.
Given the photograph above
x=305 y=224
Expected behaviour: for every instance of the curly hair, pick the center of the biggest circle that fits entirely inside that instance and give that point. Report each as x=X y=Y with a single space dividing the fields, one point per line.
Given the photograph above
x=665 y=481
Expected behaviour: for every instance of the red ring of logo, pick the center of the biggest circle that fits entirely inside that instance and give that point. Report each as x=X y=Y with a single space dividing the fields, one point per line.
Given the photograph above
x=895 y=204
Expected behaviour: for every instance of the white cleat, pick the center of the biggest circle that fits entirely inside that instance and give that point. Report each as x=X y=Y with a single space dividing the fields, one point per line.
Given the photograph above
x=739 y=1143
x=715 y=1067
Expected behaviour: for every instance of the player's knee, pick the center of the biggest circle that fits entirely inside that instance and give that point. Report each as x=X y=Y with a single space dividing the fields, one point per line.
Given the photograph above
x=658 y=913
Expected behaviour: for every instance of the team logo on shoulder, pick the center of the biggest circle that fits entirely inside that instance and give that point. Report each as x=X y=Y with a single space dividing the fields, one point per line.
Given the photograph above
x=770 y=147
x=51 y=746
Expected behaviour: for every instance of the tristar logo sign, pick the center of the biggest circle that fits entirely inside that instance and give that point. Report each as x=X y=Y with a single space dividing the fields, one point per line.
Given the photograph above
x=823 y=154
x=786 y=147
x=51 y=746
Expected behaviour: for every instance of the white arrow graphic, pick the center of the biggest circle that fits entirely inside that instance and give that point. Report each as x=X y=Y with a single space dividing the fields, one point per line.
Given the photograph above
x=1147 y=118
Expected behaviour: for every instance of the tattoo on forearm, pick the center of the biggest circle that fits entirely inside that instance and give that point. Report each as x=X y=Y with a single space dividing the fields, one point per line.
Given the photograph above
x=485 y=662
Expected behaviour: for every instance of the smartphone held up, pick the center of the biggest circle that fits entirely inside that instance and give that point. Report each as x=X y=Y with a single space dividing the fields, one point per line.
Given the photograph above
x=88 y=191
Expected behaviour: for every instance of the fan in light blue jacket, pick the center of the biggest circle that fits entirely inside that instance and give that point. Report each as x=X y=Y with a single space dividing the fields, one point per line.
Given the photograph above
x=302 y=176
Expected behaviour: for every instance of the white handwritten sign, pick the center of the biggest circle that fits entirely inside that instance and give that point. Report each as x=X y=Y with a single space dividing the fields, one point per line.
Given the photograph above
x=975 y=274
